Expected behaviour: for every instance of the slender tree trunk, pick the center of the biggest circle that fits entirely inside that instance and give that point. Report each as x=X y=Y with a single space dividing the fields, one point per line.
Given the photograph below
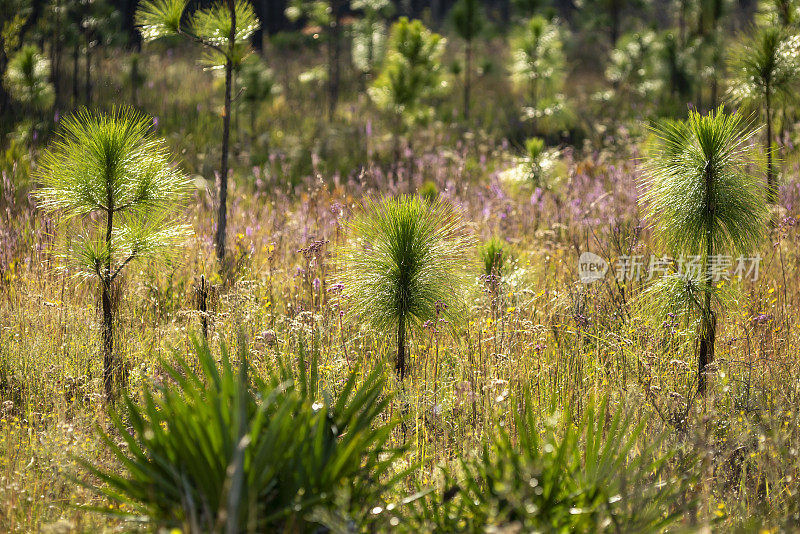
x=400 y=365
x=467 y=77
x=707 y=338
x=55 y=56
x=709 y=321
x=5 y=99
x=252 y=126
x=615 y=22
x=108 y=343
x=334 y=51
x=436 y=9
x=772 y=192
x=135 y=80
x=202 y=302
x=714 y=89
x=75 y=80
x=222 y=210
x=398 y=121
x=108 y=314
x=88 y=75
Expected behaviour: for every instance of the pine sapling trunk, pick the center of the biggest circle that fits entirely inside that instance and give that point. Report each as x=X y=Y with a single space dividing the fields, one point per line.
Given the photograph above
x=400 y=365
x=709 y=320
x=707 y=338
x=772 y=193
x=108 y=314
x=222 y=210
x=108 y=343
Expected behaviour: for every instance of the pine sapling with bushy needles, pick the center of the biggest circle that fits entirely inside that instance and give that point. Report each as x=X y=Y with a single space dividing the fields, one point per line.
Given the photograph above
x=115 y=185
x=703 y=197
x=223 y=30
x=407 y=256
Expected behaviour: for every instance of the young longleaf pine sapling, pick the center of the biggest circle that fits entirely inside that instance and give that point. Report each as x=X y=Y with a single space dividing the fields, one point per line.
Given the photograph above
x=223 y=30
x=704 y=198
x=766 y=72
x=118 y=190
x=408 y=256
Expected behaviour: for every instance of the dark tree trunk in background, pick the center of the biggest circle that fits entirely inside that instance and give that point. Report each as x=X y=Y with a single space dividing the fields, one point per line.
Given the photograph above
x=222 y=210
x=55 y=56
x=436 y=12
x=5 y=100
x=714 y=90
x=467 y=77
x=129 y=24
x=334 y=53
x=88 y=75
x=682 y=22
x=274 y=18
x=75 y=79
x=615 y=22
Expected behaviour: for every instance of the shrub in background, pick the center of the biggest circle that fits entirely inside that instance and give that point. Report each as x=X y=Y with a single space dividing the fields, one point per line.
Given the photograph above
x=411 y=76
x=766 y=71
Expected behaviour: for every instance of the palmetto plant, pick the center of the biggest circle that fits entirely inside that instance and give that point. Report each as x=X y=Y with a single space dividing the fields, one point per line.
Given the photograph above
x=703 y=197
x=223 y=30
x=765 y=71
x=599 y=474
x=405 y=264
x=225 y=450
x=115 y=185
x=468 y=22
